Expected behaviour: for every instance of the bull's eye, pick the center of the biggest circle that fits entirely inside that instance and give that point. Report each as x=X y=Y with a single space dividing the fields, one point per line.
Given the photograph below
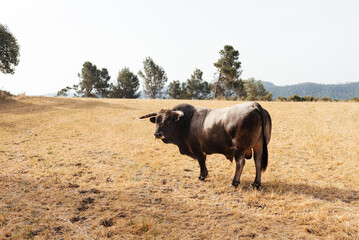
x=167 y=120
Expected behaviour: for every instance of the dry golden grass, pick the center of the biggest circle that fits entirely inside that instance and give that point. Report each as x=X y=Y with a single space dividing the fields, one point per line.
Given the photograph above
x=90 y=169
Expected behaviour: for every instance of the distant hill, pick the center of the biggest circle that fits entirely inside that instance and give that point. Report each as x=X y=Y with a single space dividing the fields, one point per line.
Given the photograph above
x=69 y=94
x=49 y=95
x=343 y=91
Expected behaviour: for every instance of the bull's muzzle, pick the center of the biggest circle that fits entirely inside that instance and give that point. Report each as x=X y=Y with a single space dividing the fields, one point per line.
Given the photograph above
x=159 y=135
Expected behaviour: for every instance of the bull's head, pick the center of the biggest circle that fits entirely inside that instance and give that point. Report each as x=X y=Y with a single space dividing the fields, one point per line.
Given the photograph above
x=166 y=121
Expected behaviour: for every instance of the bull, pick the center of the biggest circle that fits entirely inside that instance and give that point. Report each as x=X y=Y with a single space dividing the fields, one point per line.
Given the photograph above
x=236 y=132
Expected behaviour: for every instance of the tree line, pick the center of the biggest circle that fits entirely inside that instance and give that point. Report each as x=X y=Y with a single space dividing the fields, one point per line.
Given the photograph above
x=227 y=84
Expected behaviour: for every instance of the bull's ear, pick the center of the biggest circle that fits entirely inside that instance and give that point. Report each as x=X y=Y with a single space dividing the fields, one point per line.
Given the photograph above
x=153 y=119
x=177 y=115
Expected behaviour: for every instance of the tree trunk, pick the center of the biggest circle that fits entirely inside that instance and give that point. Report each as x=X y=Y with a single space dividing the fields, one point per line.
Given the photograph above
x=216 y=86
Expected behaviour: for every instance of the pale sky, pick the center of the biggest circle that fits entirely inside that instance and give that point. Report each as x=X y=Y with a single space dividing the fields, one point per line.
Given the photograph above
x=284 y=42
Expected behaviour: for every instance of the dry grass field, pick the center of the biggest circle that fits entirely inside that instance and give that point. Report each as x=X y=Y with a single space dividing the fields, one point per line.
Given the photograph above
x=90 y=169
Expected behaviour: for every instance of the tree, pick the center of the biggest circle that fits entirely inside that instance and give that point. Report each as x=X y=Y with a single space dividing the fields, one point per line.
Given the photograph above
x=102 y=84
x=193 y=88
x=326 y=99
x=196 y=87
x=126 y=86
x=175 y=90
x=254 y=90
x=9 y=51
x=282 y=99
x=64 y=92
x=295 y=98
x=154 y=78
x=229 y=70
x=308 y=98
x=93 y=82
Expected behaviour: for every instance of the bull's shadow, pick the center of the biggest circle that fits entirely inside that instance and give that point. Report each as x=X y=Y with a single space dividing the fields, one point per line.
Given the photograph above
x=329 y=194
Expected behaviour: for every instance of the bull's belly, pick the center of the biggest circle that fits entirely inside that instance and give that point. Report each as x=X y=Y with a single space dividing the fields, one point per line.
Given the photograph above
x=218 y=143
x=229 y=152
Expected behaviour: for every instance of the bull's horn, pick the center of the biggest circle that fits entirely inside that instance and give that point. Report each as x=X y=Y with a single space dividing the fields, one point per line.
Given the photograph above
x=178 y=113
x=149 y=115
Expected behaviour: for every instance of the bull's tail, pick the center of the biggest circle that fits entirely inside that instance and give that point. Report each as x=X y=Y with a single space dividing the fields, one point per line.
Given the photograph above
x=265 y=149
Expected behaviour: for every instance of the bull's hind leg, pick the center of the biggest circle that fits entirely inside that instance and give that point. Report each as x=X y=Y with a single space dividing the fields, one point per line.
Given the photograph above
x=240 y=161
x=258 y=163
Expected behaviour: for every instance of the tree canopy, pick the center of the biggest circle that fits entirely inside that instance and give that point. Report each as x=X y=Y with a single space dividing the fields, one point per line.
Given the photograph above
x=154 y=78
x=93 y=82
x=175 y=90
x=196 y=87
x=126 y=86
x=9 y=51
x=254 y=90
x=229 y=70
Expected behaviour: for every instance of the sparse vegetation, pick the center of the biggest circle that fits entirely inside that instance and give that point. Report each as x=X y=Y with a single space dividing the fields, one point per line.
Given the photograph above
x=106 y=177
x=295 y=98
x=282 y=99
x=5 y=95
x=326 y=99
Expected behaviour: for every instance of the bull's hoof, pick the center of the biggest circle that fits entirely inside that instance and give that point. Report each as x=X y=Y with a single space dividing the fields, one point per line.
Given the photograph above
x=256 y=185
x=235 y=183
x=201 y=178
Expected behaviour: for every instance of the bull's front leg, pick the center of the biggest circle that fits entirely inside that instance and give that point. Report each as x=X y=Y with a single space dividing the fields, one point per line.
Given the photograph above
x=240 y=161
x=202 y=164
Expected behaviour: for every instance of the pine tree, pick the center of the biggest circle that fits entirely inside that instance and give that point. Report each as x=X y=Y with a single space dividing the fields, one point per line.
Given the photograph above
x=126 y=86
x=102 y=85
x=175 y=90
x=229 y=70
x=93 y=82
x=154 y=78
x=196 y=87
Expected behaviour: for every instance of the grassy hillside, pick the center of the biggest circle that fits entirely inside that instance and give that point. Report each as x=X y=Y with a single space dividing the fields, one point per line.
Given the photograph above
x=334 y=91
x=90 y=169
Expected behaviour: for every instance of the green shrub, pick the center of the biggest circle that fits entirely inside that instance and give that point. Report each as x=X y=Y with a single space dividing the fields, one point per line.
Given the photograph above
x=295 y=98
x=326 y=99
x=308 y=98
x=282 y=99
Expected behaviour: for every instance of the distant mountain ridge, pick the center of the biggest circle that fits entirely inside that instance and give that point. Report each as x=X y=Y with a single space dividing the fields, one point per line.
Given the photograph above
x=342 y=91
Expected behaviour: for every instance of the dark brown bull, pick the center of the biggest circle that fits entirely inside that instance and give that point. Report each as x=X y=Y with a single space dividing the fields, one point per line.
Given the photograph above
x=233 y=131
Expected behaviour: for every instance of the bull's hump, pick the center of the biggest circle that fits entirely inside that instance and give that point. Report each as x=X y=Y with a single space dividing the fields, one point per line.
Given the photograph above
x=199 y=108
x=228 y=116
